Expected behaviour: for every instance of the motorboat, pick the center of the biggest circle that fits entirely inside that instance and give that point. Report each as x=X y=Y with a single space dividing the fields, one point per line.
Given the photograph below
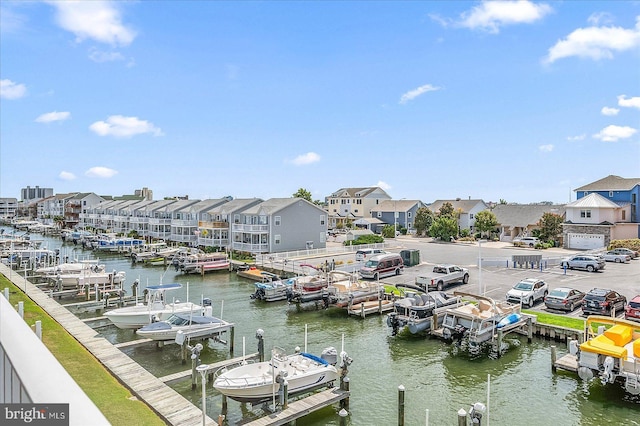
x=308 y=288
x=256 y=274
x=260 y=381
x=611 y=352
x=190 y=324
x=345 y=289
x=155 y=308
x=478 y=321
x=69 y=268
x=200 y=264
x=416 y=310
x=272 y=291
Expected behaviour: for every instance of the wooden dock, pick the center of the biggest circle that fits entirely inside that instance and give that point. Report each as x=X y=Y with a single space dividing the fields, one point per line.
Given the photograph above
x=568 y=362
x=371 y=307
x=302 y=407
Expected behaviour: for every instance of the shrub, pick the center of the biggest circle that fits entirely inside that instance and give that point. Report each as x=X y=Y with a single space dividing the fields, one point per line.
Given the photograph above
x=633 y=244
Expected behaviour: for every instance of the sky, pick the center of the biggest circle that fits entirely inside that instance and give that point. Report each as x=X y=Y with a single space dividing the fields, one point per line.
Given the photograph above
x=515 y=100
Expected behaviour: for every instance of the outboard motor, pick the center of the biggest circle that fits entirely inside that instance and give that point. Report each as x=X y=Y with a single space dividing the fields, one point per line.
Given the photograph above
x=330 y=355
x=207 y=302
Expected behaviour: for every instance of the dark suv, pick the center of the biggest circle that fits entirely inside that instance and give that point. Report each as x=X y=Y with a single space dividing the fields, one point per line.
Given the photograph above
x=602 y=301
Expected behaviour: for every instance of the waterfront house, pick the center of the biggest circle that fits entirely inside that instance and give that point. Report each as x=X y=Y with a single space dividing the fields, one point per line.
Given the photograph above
x=76 y=204
x=350 y=204
x=214 y=223
x=280 y=224
x=400 y=212
x=465 y=209
x=123 y=210
x=185 y=223
x=160 y=223
x=519 y=220
x=8 y=208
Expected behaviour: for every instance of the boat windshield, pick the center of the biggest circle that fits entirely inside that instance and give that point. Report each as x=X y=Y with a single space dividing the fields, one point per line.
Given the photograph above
x=176 y=320
x=523 y=286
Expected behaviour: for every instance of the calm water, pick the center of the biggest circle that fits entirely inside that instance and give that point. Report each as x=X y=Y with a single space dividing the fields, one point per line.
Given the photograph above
x=523 y=388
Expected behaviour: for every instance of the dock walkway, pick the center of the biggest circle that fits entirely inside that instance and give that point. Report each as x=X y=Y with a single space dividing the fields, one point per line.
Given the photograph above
x=302 y=407
x=169 y=404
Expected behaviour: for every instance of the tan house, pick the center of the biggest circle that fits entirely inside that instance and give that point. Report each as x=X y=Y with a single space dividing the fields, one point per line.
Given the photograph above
x=351 y=204
x=519 y=220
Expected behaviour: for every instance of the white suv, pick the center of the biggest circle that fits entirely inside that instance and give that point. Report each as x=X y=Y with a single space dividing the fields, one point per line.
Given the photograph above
x=528 y=291
x=364 y=254
x=527 y=241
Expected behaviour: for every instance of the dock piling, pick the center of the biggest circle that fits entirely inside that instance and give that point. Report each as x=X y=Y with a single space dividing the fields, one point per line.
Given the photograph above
x=401 y=405
x=462 y=417
x=554 y=357
x=285 y=395
x=260 y=337
x=344 y=385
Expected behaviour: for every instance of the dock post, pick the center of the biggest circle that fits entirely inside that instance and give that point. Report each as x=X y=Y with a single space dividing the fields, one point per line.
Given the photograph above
x=499 y=348
x=285 y=395
x=529 y=330
x=343 y=417
x=462 y=417
x=225 y=405
x=260 y=337
x=362 y=313
x=39 y=329
x=194 y=364
x=6 y=293
x=344 y=385
x=232 y=336
x=380 y=306
x=553 y=358
x=400 y=405
x=21 y=309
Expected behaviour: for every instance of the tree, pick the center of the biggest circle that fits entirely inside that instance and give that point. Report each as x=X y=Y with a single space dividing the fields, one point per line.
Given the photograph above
x=444 y=228
x=550 y=226
x=303 y=193
x=446 y=210
x=486 y=221
x=388 y=231
x=423 y=220
x=502 y=201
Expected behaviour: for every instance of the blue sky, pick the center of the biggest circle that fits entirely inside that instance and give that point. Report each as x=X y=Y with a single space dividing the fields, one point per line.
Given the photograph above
x=515 y=100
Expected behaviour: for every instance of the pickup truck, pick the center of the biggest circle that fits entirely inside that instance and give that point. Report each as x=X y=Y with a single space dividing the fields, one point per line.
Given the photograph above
x=443 y=275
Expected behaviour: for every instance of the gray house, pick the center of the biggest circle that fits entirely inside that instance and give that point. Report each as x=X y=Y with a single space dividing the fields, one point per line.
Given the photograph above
x=519 y=220
x=466 y=210
x=214 y=222
x=280 y=224
x=400 y=212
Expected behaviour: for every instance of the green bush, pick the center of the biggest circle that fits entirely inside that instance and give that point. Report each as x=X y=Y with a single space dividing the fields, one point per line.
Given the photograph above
x=365 y=239
x=633 y=244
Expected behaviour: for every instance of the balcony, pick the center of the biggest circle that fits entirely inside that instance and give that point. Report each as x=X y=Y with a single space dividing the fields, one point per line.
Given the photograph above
x=241 y=227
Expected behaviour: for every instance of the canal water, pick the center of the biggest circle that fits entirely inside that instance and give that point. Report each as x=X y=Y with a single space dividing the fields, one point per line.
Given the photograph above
x=523 y=389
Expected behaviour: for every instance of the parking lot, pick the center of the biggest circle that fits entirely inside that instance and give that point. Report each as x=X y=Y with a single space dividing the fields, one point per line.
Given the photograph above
x=496 y=281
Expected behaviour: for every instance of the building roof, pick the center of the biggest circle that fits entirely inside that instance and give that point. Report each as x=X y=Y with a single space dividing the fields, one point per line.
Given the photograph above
x=464 y=205
x=273 y=205
x=235 y=205
x=523 y=215
x=357 y=192
x=396 y=205
x=611 y=183
x=593 y=201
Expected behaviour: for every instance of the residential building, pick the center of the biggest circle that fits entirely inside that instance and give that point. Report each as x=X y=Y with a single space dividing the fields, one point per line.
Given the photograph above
x=617 y=189
x=280 y=224
x=214 y=222
x=464 y=209
x=350 y=204
x=161 y=223
x=399 y=212
x=8 y=208
x=520 y=220
x=76 y=204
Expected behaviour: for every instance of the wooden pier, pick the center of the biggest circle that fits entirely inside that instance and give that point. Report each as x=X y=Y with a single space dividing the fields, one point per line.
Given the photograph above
x=371 y=307
x=302 y=407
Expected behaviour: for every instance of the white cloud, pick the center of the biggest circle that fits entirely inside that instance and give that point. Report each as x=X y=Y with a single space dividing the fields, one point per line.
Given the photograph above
x=11 y=90
x=598 y=18
x=595 y=43
x=576 y=138
x=613 y=133
x=545 y=148
x=412 y=94
x=53 y=116
x=633 y=102
x=100 y=172
x=66 y=175
x=383 y=185
x=609 y=111
x=99 y=56
x=124 y=127
x=492 y=15
x=304 y=159
x=96 y=20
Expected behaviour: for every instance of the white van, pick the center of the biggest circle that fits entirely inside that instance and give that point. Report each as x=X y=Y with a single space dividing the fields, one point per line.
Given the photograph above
x=364 y=254
x=382 y=265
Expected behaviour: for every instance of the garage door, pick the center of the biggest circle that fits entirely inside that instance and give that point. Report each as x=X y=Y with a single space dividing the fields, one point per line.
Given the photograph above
x=585 y=241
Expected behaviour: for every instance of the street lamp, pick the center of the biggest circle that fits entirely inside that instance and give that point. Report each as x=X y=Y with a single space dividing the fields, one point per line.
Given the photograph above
x=480 y=265
x=203 y=368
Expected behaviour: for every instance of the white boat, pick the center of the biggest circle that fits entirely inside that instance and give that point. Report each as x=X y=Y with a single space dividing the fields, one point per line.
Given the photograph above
x=256 y=382
x=155 y=308
x=346 y=289
x=190 y=324
x=272 y=291
x=71 y=268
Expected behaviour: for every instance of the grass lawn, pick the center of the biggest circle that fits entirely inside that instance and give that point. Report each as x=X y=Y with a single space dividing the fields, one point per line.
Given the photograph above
x=559 y=320
x=112 y=398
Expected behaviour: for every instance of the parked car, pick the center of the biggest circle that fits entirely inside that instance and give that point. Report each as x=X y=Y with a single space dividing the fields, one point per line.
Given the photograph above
x=527 y=241
x=364 y=254
x=610 y=256
x=600 y=301
x=621 y=250
x=528 y=291
x=632 y=310
x=583 y=261
x=564 y=299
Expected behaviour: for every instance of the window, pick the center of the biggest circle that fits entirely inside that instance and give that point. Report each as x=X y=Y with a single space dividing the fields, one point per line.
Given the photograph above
x=359 y=201
x=585 y=214
x=379 y=214
x=276 y=239
x=471 y=216
x=322 y=218
x=277 y=220
x=624 y=215
x=409 y=215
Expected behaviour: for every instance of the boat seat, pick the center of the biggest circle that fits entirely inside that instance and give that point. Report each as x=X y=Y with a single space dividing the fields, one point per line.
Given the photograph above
x=619 y=334
x=604 y=346
x=483 y=305
x=418 y=300
x=636 y=348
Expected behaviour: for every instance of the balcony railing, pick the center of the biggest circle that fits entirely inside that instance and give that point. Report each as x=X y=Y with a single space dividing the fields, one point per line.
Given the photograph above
x=241 y=227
